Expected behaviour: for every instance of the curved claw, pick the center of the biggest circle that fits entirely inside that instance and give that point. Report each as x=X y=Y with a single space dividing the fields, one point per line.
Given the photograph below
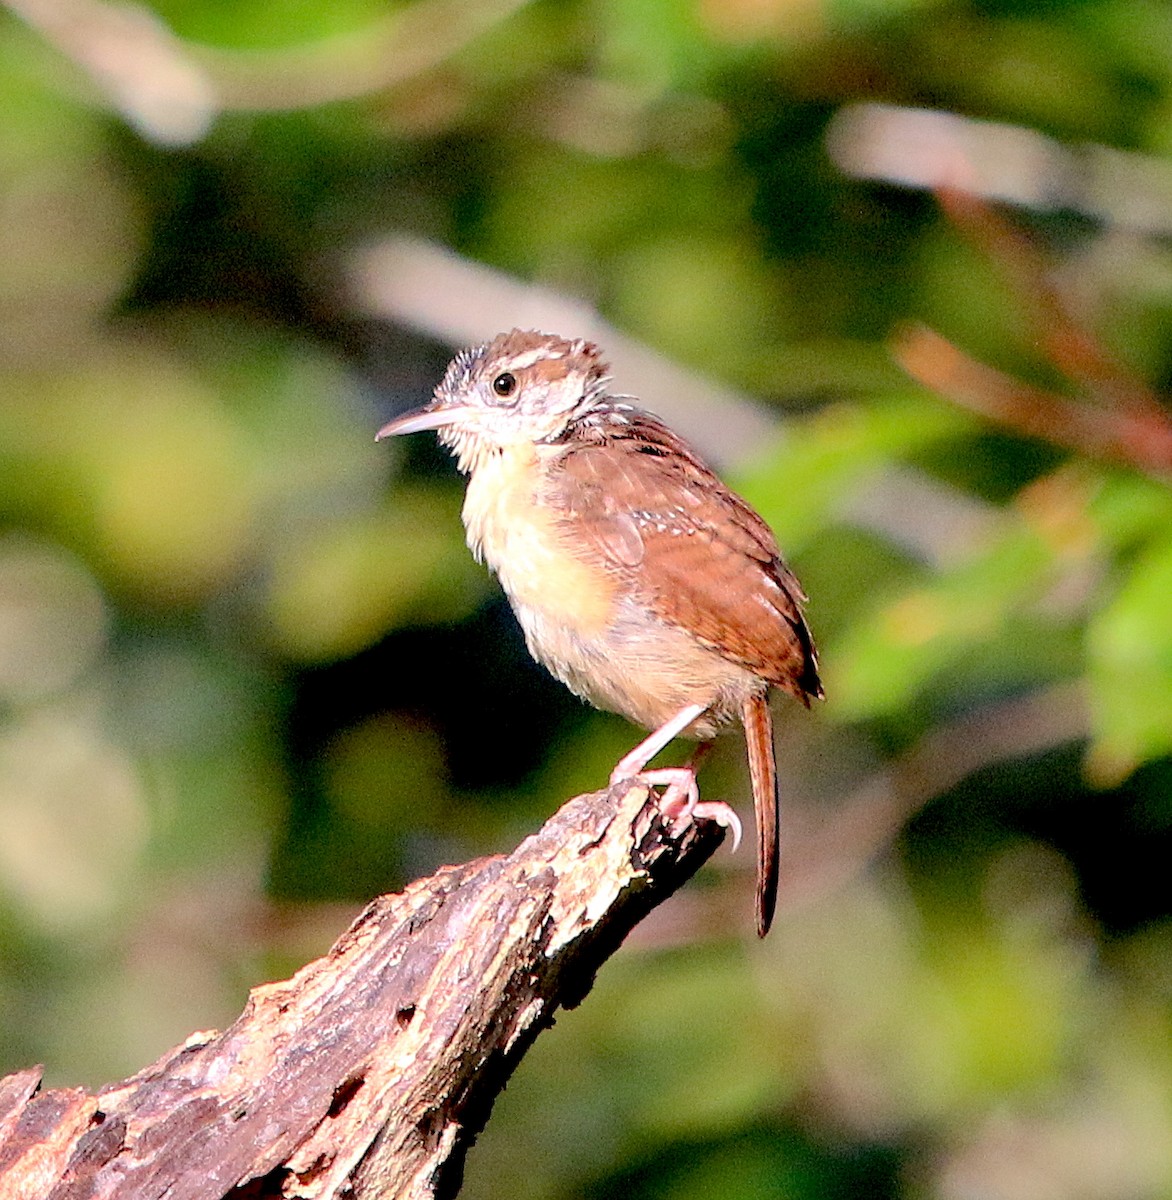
x=681 y=801
x=722 y=814
x=681 y=792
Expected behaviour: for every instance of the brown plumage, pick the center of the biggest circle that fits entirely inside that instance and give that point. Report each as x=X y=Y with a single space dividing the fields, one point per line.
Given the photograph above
x=639 y=578
x=697 y=555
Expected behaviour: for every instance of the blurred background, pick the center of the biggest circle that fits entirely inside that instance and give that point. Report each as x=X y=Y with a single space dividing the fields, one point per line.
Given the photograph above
x=900 y=267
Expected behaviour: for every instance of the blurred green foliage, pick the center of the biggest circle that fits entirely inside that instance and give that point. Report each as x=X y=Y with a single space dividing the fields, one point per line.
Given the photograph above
x=248 y=668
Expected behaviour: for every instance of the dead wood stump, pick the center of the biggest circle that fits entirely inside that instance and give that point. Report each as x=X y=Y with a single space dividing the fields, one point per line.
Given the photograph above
x=371 y=1071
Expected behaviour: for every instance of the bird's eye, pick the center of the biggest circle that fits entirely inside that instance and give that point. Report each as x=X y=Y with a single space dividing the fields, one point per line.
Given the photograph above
x=505 y=384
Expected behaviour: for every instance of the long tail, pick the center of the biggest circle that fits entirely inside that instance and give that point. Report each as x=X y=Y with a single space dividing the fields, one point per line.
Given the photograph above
x=758 y=721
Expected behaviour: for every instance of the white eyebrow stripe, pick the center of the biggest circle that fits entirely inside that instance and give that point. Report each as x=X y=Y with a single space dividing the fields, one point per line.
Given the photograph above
x=527 y=358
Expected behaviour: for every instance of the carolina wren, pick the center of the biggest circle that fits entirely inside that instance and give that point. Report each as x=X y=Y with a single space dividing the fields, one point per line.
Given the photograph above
x=639 y=579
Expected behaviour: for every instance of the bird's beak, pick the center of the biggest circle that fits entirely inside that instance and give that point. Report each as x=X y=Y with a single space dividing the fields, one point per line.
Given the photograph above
x=424 y=418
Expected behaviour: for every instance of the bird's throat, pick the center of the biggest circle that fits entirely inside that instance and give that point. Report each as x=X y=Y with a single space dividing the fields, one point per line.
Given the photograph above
x=524 y=543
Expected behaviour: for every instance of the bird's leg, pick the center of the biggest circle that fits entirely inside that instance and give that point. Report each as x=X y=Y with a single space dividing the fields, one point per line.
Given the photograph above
x=680 y=800
x=633 y=762
x=714 y=810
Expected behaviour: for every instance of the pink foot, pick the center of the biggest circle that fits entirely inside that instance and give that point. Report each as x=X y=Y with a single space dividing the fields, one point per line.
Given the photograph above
x=681 y=803
x=724 y=815
x=681 y=795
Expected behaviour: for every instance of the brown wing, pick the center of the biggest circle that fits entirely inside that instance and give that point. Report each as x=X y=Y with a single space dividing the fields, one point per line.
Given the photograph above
x=696 y=554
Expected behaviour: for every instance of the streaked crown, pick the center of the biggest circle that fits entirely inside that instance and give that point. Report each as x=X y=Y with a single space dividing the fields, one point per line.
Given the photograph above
x=523 y=386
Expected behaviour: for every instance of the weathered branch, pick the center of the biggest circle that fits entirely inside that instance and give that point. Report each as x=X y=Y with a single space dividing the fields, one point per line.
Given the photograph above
x=371 y=1071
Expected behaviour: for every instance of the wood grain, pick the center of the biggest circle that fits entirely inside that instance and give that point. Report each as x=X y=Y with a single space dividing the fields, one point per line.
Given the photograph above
x=370 y=1072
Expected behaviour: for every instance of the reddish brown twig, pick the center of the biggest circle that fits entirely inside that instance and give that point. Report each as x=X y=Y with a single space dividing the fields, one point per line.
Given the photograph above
x=1118 y=436
x=1113 y=415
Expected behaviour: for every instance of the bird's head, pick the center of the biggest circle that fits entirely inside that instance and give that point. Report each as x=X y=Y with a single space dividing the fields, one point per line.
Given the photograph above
x=520 y=387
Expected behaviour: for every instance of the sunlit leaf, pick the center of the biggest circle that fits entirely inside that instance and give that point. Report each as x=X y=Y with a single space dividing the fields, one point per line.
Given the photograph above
x=1129 y=642
x=802 y=485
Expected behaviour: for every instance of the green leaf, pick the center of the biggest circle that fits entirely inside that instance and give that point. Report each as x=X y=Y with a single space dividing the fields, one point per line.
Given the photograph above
x=1129 y=643
x=1127 y=508
x=892 y=653
x=799 y=488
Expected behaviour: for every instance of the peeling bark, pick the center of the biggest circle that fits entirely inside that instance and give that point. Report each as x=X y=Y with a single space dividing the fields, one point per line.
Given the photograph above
x=371 y=1071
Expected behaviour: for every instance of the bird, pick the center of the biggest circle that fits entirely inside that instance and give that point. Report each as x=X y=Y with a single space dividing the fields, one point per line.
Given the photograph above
x=639 y=579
